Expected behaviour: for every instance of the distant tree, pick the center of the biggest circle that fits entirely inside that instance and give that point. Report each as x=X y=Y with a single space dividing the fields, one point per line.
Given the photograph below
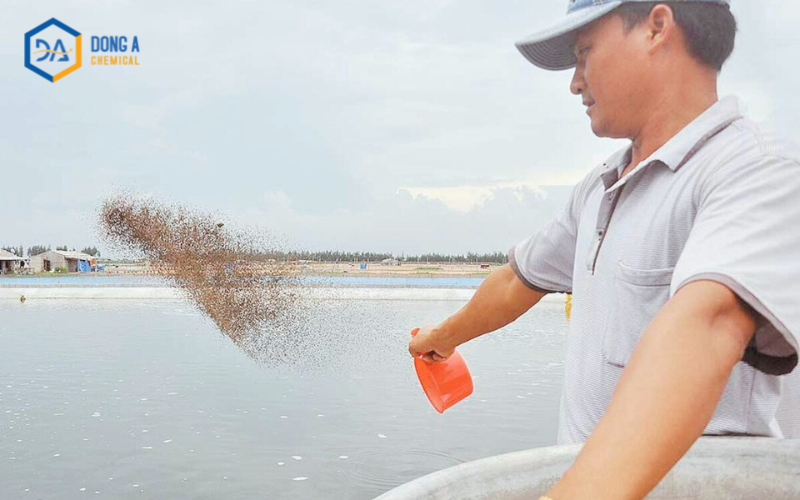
x=37 y=249
x=91 y=251
x=18 y=251
x=338 y=256
x=61 y=249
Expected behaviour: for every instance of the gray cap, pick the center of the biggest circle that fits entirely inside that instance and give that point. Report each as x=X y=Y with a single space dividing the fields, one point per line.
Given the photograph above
x=551 y=48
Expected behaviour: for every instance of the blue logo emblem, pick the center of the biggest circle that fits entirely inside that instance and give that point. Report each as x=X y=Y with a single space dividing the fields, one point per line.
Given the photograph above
x=52 y=50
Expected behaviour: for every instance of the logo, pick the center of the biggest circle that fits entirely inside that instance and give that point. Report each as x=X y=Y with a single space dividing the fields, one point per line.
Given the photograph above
x=52 y=50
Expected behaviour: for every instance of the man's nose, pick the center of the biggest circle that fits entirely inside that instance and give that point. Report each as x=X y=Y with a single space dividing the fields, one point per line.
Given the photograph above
x=577 y=85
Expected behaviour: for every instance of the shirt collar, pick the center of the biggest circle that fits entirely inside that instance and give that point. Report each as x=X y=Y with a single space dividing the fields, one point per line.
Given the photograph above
x=680 y=149
x=682 y=146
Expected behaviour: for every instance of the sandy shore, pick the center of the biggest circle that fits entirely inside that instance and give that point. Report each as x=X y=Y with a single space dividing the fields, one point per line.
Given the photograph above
x=404 y=269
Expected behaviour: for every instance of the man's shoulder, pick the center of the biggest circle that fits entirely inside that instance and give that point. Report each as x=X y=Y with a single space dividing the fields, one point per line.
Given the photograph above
x=747 y=156
x=748 y=140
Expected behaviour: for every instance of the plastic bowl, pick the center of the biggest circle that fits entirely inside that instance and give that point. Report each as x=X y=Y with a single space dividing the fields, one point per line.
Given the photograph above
x=446 y=382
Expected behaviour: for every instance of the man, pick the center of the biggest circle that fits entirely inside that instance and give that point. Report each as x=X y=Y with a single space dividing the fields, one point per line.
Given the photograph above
x=681 y=251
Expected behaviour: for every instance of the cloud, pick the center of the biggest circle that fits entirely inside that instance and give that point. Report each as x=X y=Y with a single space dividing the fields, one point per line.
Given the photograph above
x=465 y=199
x=376 y=125
x=411 y=224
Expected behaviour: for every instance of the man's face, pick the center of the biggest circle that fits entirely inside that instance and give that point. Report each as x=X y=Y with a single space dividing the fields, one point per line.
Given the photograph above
x=609 y=77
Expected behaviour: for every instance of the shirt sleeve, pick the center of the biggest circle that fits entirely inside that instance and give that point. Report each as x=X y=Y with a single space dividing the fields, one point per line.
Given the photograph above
x=746 y=236
x=544 y=262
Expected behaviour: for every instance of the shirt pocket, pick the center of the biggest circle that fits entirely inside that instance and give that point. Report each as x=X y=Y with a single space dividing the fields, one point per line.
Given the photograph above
x=639 y=295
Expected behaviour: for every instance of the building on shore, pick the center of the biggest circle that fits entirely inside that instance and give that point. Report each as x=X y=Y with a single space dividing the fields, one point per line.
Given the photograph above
x=10 y=262
x=72 y=262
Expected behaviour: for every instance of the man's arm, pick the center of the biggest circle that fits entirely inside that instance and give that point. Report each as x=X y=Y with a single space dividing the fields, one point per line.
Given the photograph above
x=665 y=397
x=501 y=298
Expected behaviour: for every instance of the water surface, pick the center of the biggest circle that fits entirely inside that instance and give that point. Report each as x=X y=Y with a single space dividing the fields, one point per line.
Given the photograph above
x=145 y=399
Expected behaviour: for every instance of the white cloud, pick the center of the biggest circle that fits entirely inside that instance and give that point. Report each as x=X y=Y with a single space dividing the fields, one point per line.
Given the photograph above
x=411 y=224
x=369 y=125
x=465 y=199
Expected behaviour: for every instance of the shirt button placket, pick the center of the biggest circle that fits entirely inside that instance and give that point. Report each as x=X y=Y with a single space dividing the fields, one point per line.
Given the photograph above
x=607 y=205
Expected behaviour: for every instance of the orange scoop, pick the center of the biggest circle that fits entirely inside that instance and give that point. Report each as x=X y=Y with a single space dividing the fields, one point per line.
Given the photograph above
x=445 y=383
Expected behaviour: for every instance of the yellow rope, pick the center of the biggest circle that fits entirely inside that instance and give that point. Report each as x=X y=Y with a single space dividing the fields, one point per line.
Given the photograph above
x=568 y=306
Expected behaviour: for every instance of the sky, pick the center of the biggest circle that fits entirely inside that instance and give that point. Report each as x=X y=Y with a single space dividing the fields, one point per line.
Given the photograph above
x=400 y=127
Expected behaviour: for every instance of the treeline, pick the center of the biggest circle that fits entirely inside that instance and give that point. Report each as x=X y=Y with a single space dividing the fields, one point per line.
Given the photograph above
x=326 y=256
x=15 y=250
x=37 y=249
x=335 y=256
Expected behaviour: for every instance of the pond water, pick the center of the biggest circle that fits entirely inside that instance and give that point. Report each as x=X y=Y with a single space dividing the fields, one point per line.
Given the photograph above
x=145 y=399
x=333 y=281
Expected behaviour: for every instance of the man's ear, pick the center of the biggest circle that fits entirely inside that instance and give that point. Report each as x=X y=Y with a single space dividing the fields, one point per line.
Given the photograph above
x=661 y=26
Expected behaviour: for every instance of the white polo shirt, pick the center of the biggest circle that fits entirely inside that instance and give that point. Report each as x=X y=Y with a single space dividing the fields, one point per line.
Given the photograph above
x=720 y=201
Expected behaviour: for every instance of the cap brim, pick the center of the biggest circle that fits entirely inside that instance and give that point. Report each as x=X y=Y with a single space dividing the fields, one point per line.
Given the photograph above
x=551 y=48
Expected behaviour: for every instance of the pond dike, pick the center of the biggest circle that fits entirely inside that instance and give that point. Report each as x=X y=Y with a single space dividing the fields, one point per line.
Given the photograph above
x=87 y=289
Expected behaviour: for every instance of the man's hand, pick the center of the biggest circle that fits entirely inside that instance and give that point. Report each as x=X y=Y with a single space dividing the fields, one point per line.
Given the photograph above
x=665 y=397
x=430 y=345
x=501 y=298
